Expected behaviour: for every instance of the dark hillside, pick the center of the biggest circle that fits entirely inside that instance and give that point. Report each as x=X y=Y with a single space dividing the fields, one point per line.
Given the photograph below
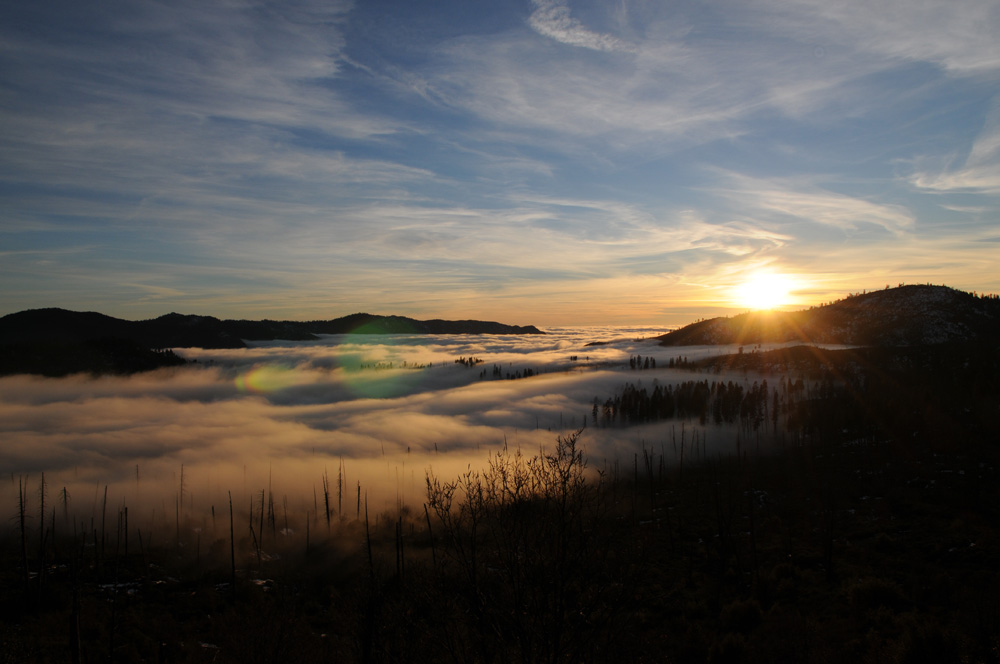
x=186 y=331
x=58 y=342
x=903 y=316
x=371 y=324
x=183 y=331
x=97 y=356
x=60 y=325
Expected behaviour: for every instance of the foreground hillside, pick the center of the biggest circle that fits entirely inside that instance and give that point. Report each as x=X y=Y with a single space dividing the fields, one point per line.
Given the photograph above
x=870 y=550
x=902 y=316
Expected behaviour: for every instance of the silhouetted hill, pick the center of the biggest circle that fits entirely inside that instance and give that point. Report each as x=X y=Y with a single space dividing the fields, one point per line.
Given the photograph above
x=60 y=326
x=95 y=356
x=371 y=324
x=58 y=341
x=903 y=316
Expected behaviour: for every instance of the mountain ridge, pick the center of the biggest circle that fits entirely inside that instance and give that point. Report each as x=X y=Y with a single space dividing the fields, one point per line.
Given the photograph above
x=174 y=330
x=57 y=341
x=909 y=315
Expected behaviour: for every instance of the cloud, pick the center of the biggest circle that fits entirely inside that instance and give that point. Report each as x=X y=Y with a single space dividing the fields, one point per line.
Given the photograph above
x=551 y=18
x=184 y=110
x=682 y=80
x=957 y=36
x=312 y=159
x=779 y=201
x=231 y=431
x=518 y=85
x=980 y=171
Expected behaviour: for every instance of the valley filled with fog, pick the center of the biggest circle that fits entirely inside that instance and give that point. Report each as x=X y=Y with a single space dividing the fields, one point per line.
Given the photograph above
x=418 y=496
x=372 y=414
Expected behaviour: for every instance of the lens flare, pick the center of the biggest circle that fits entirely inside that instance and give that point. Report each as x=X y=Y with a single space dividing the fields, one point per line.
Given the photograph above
x=379 y=370
x=267 y=378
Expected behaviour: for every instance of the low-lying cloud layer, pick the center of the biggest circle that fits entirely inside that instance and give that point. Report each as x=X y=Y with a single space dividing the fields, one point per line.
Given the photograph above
x=383 y=411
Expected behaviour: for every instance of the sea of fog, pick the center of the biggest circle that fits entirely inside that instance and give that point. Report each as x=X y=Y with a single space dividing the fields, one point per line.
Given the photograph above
x=369 y=415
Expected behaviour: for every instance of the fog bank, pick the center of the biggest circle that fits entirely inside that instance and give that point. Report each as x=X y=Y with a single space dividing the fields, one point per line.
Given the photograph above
x=380 y=412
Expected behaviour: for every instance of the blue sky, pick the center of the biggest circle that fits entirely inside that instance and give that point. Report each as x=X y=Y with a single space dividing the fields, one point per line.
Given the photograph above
x=533 y=162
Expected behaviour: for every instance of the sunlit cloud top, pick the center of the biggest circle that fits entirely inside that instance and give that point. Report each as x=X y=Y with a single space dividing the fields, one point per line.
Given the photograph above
x=551 y=162
x=384 y=404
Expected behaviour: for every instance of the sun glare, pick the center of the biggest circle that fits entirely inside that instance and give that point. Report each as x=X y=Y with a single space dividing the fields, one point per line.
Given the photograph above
x=764 y=290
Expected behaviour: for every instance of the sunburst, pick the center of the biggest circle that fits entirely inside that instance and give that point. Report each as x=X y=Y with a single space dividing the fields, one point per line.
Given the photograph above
x=764 y=290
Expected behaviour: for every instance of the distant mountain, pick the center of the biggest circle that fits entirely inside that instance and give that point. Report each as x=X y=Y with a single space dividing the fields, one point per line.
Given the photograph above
x=58 y=341
x=903 y=316
x=181 y=331
x=371 y=324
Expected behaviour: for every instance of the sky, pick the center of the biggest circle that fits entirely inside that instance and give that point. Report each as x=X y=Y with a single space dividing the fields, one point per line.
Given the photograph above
x=547 y=162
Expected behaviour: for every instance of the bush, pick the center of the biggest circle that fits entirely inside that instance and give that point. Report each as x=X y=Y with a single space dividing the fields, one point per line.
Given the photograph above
x=927 y=643
x=741 y=615
x=525 y=545
x=870 y=593
x=731 y=649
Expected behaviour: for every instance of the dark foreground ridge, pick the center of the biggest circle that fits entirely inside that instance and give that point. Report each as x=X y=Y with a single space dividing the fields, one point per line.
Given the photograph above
x=831 y=550
x=57 y=342
x=902 y=316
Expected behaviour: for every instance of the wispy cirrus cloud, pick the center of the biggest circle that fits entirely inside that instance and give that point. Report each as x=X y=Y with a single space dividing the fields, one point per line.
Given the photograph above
x=679 y=83
x=957 y=36
x=980 y=171
x=312 y=158
x=780 y=201
x=168 y=97
x=551 y=18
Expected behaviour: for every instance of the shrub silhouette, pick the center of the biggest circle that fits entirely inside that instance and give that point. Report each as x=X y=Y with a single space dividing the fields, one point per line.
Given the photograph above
x=741 y=615
x=870 y=594
x=525 y=549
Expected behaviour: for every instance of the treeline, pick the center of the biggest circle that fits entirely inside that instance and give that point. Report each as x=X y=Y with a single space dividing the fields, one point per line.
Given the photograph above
x=901 y=392
x=640 y=362
x=842 y=407
x=387 y=365
x=717 y=402
x=498 y=373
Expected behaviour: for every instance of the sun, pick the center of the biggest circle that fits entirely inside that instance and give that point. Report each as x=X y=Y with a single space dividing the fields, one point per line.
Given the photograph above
x=764 y=290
